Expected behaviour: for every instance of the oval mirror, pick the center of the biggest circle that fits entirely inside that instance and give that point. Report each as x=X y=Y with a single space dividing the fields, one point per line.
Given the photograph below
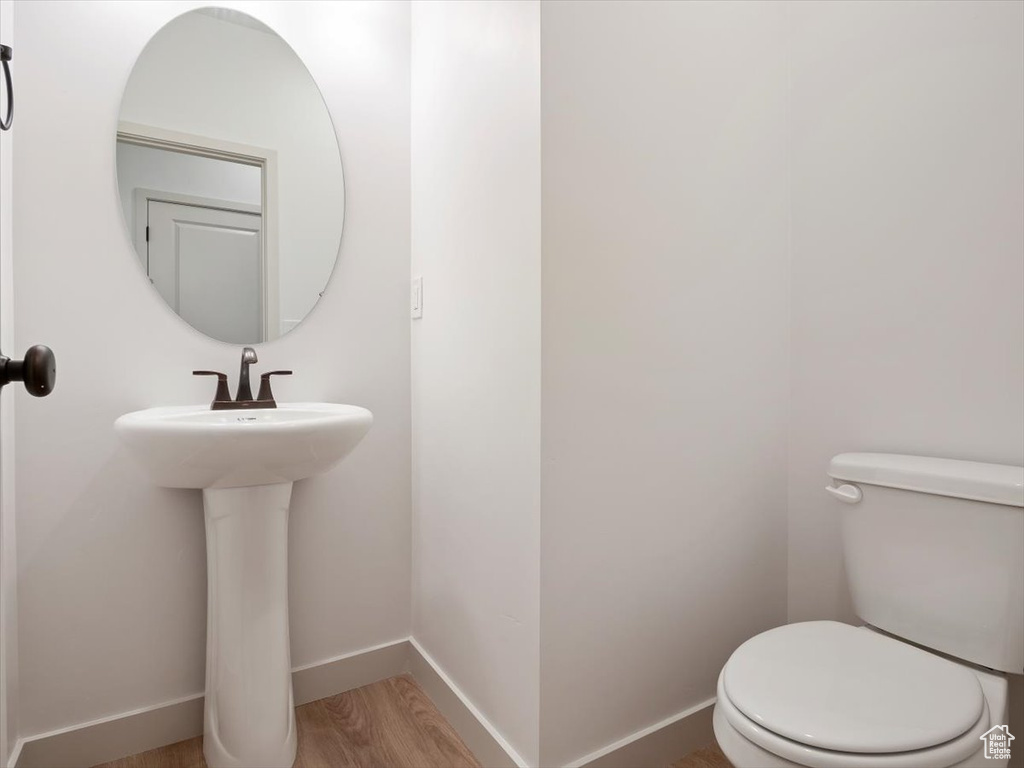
x=229 y=175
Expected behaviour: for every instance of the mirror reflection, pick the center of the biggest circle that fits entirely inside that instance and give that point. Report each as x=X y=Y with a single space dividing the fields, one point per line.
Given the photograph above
x=229 y=176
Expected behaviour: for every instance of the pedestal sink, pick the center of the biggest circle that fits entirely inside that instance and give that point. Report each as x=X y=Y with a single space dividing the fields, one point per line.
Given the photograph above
x=245 y=462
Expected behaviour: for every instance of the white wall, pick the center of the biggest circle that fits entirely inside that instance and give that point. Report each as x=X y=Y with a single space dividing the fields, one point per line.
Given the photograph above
x=8 y=551
x=243 y=85
x=908 y=198
x=112 y=569
x=476 y=353
x=908 y=235
x=680 y=177
x=665 y=356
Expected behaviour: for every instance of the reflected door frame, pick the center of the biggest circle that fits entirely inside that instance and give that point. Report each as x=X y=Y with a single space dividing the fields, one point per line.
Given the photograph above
x=142 y=213
x=204 y=146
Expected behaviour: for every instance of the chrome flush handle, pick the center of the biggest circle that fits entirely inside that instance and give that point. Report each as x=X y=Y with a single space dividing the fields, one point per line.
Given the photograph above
x=846 y=493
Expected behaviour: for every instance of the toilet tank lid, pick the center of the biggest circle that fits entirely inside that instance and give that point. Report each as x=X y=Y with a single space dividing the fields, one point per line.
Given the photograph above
x=994 y=483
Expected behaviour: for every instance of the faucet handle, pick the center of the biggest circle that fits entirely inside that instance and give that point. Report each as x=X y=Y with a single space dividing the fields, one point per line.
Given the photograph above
x=223 y=394
x=265 y=395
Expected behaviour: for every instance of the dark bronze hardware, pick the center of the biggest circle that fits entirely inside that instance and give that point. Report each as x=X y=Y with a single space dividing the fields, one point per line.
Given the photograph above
x=6 y=54
x=265 y=395
x=38 y=370
x=222 y=399
x=244 y=392
x=223 y=395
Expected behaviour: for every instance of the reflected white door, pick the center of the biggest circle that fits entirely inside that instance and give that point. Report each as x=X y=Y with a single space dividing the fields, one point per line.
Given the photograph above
x=207 y=264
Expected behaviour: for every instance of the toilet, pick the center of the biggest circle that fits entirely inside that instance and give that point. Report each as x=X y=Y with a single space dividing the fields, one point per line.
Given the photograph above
x=934 y=554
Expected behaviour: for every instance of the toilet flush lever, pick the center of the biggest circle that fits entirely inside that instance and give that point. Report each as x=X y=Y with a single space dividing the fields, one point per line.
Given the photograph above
x=846 y=493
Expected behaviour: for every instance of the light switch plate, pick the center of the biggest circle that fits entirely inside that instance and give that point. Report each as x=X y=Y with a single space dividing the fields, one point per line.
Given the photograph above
x=416 y=302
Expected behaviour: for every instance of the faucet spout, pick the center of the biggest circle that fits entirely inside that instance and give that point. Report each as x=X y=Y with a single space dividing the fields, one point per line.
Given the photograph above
x=244 y=393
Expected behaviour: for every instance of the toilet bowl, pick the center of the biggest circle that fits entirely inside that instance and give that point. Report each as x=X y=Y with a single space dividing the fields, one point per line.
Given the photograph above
x=932 y=554
x=829 y=695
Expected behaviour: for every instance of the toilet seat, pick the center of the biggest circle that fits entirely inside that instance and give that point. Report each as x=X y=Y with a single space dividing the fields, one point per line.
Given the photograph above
x=952 y=753
x=830 y=695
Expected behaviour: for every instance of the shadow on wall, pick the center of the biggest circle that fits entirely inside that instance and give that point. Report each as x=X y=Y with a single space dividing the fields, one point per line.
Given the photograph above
x=453 y=616
x=119 y=531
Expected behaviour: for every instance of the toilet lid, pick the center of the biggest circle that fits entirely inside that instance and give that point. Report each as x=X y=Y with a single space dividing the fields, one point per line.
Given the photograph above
x=848 y=689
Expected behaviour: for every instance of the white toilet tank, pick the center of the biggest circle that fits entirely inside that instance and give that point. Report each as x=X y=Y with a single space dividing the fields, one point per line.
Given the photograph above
x=935 y=552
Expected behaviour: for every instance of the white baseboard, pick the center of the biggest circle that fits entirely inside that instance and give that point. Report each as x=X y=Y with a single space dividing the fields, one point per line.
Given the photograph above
x=12 y=759
x=482 y=738
x=129 y=733
x=657 y=745
x=351 y=670
x=109 y=738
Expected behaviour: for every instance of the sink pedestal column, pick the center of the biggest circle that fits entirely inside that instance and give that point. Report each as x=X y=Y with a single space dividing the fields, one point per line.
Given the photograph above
x=250 y=713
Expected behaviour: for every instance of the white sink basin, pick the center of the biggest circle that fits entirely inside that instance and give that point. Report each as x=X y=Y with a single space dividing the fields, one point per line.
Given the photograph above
x=191 y=446
x=245 y=462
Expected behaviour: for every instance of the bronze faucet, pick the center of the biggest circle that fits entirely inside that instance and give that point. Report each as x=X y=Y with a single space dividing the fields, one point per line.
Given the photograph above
x=244 y=393
x=243 y=398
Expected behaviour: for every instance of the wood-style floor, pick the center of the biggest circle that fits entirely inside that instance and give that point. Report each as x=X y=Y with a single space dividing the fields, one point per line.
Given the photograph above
x=708 y=757
x=390 y=724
